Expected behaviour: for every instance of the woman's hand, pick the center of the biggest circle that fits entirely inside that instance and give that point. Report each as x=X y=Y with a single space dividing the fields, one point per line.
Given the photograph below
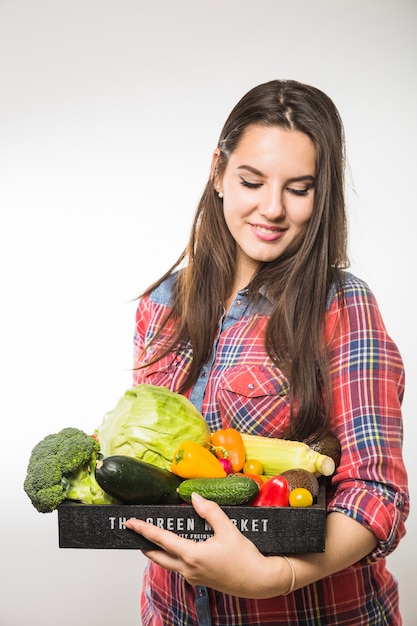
x=228 y=561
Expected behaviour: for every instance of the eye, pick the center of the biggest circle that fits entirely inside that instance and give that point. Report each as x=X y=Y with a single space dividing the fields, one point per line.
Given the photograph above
x=248 y=184
x=299 y=192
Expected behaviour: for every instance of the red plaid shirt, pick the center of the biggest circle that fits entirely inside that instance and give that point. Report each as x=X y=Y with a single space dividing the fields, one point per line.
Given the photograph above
x=241 y=387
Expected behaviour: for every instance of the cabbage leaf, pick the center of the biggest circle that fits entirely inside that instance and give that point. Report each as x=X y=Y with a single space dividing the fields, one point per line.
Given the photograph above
x=149 y=423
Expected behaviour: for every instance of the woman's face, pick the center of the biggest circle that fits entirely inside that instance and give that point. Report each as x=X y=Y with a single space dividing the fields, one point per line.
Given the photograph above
x=268 y=192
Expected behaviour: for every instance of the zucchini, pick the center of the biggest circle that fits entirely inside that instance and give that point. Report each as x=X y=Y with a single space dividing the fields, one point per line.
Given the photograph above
x=233 y=490
x=133 y=481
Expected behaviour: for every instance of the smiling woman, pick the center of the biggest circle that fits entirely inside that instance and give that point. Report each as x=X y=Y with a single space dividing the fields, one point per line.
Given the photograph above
x=261 y=327
x=268 y=194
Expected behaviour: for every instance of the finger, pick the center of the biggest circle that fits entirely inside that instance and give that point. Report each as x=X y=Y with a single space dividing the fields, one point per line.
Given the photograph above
x=210 y=511
x=164 y=559
x=165 y=539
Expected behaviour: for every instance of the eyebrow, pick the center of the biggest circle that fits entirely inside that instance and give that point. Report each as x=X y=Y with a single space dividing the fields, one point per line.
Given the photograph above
x=296 y=179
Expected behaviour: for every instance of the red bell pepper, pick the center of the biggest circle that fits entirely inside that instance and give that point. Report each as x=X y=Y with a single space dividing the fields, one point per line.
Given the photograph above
x=274 y=492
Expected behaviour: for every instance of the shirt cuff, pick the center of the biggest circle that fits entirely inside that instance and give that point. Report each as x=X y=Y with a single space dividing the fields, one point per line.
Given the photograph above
x=377 y=508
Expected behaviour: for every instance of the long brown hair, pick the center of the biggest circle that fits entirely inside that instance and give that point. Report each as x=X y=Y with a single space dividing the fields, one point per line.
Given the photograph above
x=297 y=282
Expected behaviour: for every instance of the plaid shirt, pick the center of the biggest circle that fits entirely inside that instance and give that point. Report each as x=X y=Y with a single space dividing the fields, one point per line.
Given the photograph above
x=241 y=387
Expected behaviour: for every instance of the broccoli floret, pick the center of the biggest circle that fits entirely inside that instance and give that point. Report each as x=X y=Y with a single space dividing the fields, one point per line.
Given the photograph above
x=62 y=467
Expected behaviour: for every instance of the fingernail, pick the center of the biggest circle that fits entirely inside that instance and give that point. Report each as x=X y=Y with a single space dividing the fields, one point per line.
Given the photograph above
x=132 y=522
x=196 y=497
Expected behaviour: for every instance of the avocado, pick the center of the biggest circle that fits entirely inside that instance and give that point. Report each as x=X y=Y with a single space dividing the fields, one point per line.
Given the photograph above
x=302 y=478
x=329 y=445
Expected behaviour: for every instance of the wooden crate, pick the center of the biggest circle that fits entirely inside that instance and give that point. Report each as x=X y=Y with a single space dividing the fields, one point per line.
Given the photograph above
x=273 y=530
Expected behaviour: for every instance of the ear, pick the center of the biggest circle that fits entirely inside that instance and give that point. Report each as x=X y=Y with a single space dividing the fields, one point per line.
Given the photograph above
x=213 y=171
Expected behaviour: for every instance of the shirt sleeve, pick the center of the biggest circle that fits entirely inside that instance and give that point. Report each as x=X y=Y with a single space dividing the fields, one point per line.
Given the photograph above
x=367 y=378
x=152 y=313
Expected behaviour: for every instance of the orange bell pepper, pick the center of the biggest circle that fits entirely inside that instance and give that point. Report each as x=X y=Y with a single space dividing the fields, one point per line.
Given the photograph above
x=192 y=460
x=228 y=443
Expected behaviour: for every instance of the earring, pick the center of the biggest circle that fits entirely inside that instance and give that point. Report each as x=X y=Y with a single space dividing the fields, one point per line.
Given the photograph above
x=220 y=194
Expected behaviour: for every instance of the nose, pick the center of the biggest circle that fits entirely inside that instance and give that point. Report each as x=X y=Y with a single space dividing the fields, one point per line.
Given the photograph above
x=272 y=206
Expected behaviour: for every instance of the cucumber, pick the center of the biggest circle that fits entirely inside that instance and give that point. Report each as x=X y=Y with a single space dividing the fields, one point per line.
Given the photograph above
x=233 y=490
x=132 y=481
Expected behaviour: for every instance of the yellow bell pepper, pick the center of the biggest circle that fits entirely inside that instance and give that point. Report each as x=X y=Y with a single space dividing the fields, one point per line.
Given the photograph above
x=192 y=460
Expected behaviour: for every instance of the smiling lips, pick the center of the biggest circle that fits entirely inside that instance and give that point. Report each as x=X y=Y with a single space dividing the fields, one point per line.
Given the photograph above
x=267 y=233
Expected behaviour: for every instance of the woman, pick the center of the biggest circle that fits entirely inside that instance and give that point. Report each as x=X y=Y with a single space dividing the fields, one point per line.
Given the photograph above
x=262 y=327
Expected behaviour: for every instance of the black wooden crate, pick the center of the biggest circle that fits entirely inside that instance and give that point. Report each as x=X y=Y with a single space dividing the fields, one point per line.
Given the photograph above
x=272 y=529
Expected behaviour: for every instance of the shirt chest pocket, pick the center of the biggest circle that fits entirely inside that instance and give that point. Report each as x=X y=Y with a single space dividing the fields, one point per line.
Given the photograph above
x=254 y=399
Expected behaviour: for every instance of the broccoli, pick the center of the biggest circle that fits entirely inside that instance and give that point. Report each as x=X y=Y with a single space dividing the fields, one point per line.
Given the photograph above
x=62 y=467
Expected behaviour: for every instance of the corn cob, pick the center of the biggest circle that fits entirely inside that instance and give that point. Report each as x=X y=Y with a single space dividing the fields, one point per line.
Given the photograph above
x=279 y=455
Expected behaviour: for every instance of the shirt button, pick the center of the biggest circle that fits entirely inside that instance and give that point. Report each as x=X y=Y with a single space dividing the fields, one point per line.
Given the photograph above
x=239 y=302
x=203 y=374
x=251 y=386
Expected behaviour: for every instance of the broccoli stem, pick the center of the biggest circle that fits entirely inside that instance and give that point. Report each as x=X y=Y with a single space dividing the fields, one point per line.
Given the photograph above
x=83 y=487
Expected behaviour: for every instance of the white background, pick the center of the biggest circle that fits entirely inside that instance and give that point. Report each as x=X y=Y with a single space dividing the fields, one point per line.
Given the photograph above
x=109 y=111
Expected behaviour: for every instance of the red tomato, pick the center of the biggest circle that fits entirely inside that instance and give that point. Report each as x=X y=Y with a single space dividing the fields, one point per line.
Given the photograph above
x=258 y=479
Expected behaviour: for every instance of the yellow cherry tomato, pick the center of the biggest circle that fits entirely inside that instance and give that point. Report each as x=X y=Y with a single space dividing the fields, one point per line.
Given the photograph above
x=253 y=466
x=300 y=497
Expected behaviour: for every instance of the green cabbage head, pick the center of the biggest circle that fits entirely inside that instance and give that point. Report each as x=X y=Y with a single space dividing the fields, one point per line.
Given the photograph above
x=149 y=423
